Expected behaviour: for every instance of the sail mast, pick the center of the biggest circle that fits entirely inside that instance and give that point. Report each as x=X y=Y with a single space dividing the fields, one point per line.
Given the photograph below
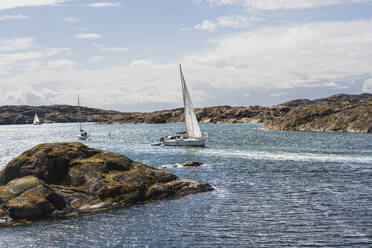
x=184 y=100
x=79 y=113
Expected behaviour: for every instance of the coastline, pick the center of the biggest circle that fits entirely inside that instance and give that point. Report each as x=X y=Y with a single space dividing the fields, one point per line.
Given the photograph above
x=343 y=113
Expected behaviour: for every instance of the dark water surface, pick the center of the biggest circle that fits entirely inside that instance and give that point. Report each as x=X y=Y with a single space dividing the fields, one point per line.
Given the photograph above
x=274 y=189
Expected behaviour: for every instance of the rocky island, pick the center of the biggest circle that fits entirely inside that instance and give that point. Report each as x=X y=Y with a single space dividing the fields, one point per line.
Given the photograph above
x=341 y=112
x=64 y=179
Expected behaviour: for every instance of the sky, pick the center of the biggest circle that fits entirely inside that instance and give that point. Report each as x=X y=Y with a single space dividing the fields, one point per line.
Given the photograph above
x=124 y=54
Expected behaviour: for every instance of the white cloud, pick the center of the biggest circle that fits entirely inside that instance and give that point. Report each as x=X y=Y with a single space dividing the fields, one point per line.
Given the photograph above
x=28 y=95
x=110 y=48
x=95 y=59
x=367 y=86
x=139 y=82
x=114 y=49
x=278 y=94
x=90 y=36
x=303 y=55
x=12 y=17
x=8 y=59
x=71 y=19
x=81 y=29
x=16 y=54
x=60 y=63
x=103 y=5
x=331 y=84
x=270 y=59
x=342 y=87
x=232 y=21
x=10 y=4
x=205 y=25
x=16 y=44
x=281 y=4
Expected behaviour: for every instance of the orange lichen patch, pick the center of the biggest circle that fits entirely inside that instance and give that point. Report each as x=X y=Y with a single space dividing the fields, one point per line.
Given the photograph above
x=17 y=187
x=87 y=160
x=31 y=198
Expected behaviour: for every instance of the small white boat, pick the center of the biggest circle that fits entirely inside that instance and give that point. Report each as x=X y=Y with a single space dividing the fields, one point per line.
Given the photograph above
x=83 y=135
x=36 y=120
x=193 y=135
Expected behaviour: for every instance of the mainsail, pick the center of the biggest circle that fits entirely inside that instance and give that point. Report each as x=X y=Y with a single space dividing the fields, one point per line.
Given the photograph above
x=192 y=125
x=36 y=119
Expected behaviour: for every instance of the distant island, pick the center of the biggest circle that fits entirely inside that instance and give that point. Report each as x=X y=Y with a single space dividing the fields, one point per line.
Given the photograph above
x=342 y=112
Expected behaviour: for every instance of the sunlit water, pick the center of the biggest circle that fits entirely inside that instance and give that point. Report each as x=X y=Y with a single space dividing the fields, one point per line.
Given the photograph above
x=273 y=189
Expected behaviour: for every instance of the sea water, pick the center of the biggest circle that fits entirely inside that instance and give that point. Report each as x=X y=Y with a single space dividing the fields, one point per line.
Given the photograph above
x=273 y=189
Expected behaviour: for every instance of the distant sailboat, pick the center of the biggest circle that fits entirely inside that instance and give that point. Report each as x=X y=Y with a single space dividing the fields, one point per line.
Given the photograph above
x=194 y=136
x=83 y=135
x=36 y=120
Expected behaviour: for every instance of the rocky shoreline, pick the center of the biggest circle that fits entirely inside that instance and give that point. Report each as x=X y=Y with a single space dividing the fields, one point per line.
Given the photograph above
x=354 y=115
x=346 y=113
x=64 y=179
x=65 y=113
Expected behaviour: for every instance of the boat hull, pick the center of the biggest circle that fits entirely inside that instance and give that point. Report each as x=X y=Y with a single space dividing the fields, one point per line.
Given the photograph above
x=82 y=137
x=185 y=142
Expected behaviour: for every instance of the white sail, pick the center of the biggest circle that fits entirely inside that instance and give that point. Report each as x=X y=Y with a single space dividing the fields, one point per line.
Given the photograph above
x=36 y=119
x=192 y=125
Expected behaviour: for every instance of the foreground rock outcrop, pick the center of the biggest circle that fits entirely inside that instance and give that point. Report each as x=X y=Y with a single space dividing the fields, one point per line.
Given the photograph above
x=354 y=115
x=62 y=179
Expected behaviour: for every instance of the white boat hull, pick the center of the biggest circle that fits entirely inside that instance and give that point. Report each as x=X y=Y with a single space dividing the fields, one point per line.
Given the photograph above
x=184 y=142
x=82 y=137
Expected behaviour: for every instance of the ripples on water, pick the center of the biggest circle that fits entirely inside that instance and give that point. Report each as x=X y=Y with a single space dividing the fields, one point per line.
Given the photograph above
x=274 y=189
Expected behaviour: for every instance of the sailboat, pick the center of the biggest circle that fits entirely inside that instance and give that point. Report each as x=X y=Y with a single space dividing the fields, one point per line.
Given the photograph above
x=193 y=136
x=36 y=120
x=83 y=135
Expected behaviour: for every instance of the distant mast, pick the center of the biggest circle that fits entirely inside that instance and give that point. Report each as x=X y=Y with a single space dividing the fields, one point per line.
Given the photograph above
x=79 y=113
x=83 y=135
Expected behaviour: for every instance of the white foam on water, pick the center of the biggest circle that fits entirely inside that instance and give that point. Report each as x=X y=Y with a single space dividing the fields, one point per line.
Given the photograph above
x=170 y=166
x=285 y=156
x=221 y=192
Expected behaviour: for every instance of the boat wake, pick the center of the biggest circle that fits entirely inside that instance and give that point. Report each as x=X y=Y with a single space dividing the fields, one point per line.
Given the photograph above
x=286 y=156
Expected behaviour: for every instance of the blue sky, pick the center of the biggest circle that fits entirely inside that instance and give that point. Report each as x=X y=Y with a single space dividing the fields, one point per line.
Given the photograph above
x=124 y=54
